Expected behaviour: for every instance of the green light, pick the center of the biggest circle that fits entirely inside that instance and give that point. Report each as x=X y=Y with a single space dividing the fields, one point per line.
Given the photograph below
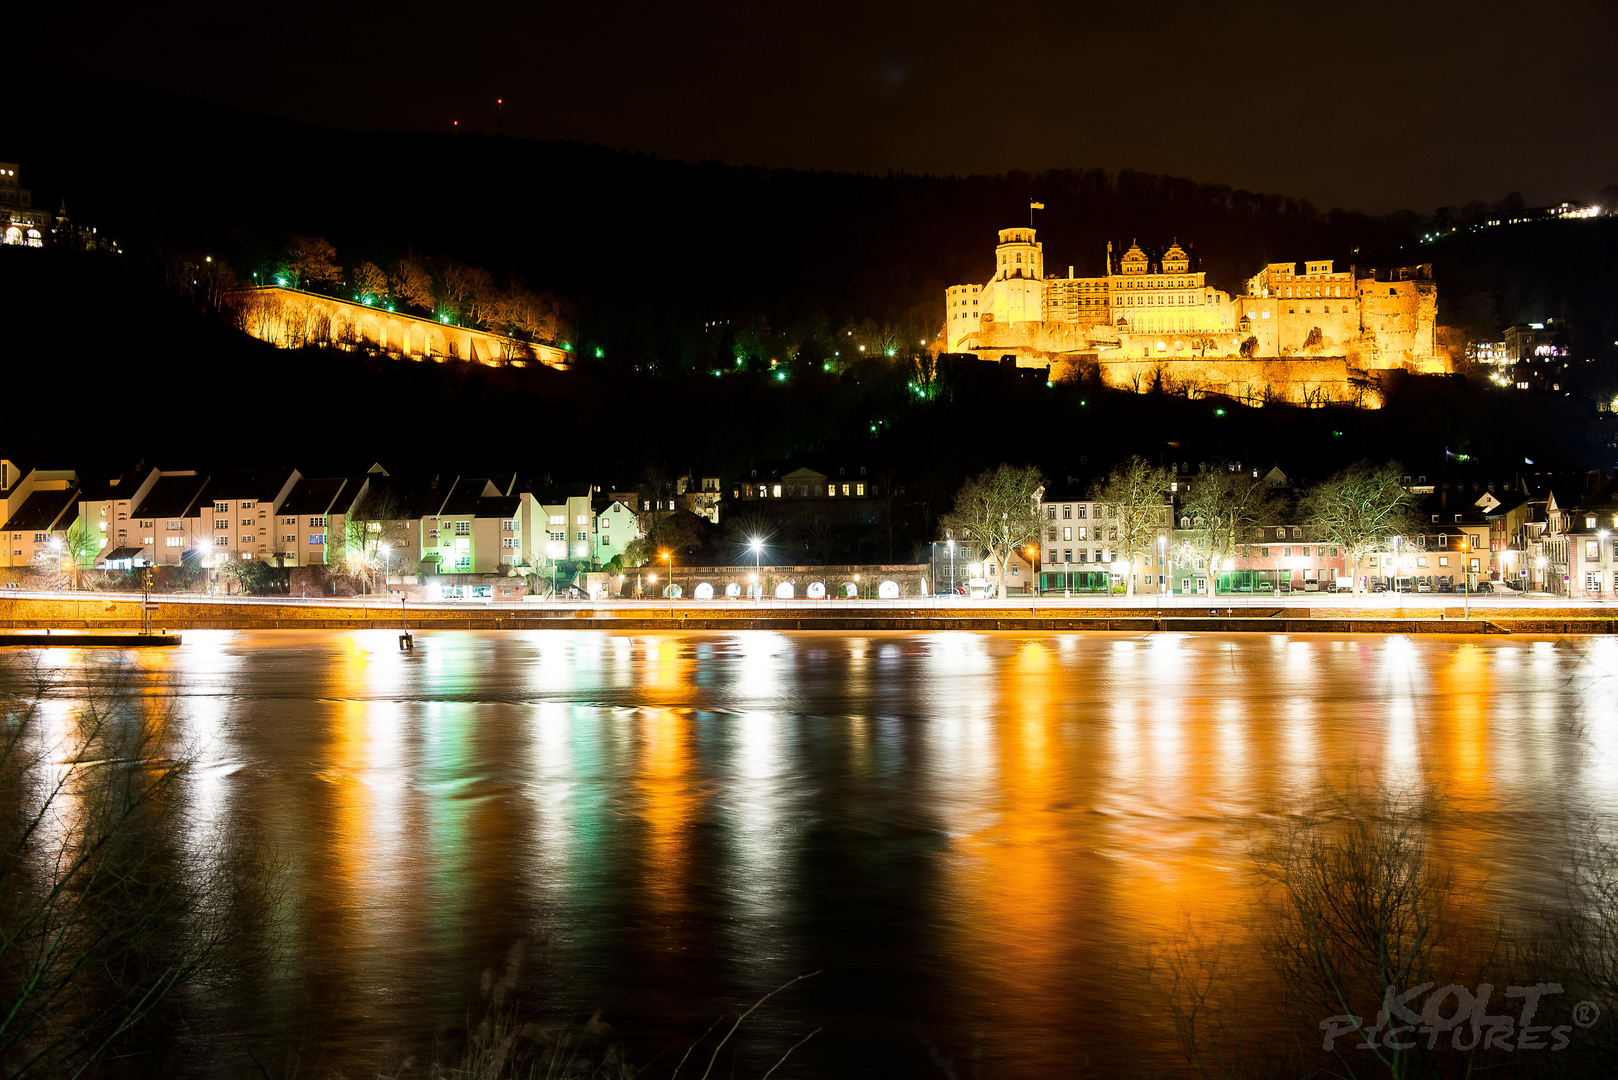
x=826 y=366
x=367 y=301
x=890 y=352
x=1083 y=402
x=1219 y=412
x=599 y=353
x=781 y=375
x=738 y=361
x=1049 y=383
x=281 y=281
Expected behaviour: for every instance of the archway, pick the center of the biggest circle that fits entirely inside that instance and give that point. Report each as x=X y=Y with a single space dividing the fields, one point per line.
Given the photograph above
x=888 y=590
x=704 y=591
x=850 y=590
x=672 y=592
x=732 y=591
x=783 y=591
x=755 y=591
x=435 y=343
x=415 y=340
x=816 y=590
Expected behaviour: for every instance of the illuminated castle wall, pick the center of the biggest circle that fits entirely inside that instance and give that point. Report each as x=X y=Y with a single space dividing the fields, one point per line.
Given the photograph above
x=290 y=319
x=1152 y=310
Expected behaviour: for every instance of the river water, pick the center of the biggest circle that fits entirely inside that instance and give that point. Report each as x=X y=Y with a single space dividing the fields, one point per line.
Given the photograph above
x=977 y=840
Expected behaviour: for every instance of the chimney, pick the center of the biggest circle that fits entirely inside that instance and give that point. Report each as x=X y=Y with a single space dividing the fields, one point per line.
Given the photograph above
x=1070 y=271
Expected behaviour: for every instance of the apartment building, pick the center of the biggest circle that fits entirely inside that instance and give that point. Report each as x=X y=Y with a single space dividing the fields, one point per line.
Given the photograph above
x=1079 y=547
x=476 y=529
x=166 y=525
x=556 y=521
x=309 y=523
x=616 y=527
x=237 y=519
x=38 y=509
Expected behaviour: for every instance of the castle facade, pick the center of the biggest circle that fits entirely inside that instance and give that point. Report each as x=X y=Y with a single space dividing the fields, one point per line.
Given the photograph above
x=1153 y=320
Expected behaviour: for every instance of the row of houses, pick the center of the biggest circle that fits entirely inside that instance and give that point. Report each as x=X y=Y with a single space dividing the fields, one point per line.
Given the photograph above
x=438 y=524
x=1547 y=533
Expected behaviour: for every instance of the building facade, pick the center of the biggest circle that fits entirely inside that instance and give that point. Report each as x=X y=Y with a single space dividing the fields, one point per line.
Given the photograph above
x=1153 y=319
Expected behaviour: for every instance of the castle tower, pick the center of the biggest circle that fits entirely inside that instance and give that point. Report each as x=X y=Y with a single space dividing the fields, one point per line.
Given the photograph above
x=1019 y=255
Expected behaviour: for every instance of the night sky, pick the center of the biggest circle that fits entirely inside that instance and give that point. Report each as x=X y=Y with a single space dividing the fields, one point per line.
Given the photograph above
x=1373 y=106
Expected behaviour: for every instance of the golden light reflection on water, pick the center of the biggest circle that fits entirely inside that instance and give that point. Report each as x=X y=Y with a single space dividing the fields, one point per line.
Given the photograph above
x=1061 y=804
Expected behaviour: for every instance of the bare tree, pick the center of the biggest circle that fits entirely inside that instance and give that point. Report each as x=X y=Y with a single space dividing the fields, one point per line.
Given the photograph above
x=411 y=283
x=998 y=510
x=1360 y=916
x=105 y=908
x=1134 y=508
x=1359 y=509
x=312 y=260
x=1224 y=500
x=370 y=282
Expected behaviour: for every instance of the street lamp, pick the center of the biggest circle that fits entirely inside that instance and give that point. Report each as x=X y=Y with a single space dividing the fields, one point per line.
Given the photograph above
x=1163 y=561
x=951 y=545
x=387 y=553
x=1601 y=534
x=1540 y=562
x=1032 y=551
x=668 y=557
x=758 y=571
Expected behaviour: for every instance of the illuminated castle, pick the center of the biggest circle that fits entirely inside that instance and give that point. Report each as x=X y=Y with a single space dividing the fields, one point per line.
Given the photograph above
x=1152 y=320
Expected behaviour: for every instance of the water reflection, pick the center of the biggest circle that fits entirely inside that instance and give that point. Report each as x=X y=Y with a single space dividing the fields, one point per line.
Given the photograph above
x=978 y=836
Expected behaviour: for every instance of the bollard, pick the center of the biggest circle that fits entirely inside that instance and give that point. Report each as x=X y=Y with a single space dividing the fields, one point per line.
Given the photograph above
x=406 y=643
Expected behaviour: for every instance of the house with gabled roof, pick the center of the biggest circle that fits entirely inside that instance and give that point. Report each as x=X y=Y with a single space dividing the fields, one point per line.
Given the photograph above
x=34 y=508
x=238 y=516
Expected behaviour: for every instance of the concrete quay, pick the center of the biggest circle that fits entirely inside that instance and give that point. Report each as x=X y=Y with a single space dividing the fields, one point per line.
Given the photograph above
x=108 y=613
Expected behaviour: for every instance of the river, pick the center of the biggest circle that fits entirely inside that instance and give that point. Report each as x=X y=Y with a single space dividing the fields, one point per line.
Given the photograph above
x=976 y=840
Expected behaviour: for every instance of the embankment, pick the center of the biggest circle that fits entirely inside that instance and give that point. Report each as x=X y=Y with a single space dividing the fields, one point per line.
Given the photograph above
x=92 y=612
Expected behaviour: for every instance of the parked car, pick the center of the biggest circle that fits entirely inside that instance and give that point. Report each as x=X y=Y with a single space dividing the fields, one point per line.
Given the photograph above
x=1424 y=586
x=1483 y=588
x=1311 y=585
x=1265 y=586
x=1379 y=586
x=1444 y=586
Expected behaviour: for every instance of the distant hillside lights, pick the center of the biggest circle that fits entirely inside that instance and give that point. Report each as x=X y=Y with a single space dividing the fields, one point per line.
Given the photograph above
x=1153 y=321
x=24 y=225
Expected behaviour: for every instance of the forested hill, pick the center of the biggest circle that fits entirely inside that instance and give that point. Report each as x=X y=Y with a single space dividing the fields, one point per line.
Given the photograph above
x=615 y=229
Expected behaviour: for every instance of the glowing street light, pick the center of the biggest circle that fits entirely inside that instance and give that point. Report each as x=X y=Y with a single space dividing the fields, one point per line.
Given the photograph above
x=758 y=547
x=668 y=557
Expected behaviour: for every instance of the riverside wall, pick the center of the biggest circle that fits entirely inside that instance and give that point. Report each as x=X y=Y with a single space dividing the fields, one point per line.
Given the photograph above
x=92 y=613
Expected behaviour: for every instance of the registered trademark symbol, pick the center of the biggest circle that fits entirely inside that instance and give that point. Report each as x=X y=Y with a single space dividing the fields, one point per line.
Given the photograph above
x=1586 y=1013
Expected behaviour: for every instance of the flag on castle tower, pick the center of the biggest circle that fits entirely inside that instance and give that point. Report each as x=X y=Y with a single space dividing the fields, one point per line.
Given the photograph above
x=1036 y=206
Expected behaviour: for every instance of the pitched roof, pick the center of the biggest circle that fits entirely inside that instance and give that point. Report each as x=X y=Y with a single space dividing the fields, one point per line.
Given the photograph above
x=555 y=494
x=260 y=485
x=172 y=496
x=468 y=491
x=313 y=495
x=406 y=497
x=105 y=487
x=44 y=510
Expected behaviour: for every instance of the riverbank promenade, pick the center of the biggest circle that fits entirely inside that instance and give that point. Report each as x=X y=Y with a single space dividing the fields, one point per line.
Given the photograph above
x=1313 y=613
